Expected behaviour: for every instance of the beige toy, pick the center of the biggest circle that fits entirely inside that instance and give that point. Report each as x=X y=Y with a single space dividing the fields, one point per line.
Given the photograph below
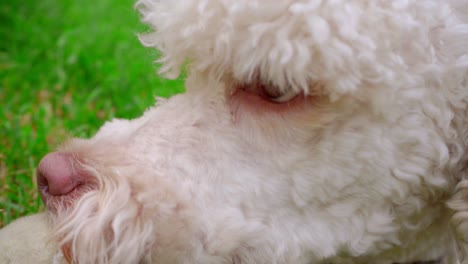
x=26 y=241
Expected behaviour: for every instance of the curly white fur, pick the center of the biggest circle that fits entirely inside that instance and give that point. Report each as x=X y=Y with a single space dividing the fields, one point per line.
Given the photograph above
x=406 y=61
x=362 y=173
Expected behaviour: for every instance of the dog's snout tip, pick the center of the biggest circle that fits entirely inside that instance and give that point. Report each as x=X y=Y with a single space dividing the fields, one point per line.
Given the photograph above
x=56 y=175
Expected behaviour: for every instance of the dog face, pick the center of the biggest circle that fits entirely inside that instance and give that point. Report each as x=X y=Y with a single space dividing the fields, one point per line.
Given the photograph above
x=309 y=131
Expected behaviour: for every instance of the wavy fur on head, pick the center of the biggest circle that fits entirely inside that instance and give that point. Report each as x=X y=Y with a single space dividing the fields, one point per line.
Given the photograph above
x=369 y=167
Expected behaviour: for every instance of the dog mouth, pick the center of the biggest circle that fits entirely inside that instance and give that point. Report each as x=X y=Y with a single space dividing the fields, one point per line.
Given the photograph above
x=58 y=203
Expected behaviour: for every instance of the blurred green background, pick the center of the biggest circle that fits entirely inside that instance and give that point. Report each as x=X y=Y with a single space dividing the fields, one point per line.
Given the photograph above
x=65 y=68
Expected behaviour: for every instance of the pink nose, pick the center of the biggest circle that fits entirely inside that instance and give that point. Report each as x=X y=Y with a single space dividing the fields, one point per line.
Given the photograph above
x=56 y=175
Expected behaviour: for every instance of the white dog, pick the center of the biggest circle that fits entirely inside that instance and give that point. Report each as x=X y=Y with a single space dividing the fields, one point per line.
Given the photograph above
x=310 y=132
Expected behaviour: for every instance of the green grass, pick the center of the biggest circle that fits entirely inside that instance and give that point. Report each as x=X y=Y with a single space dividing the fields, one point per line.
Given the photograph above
x=65 y=68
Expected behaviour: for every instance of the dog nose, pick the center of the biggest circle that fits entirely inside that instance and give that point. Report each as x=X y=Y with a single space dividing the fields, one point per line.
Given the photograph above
x=56 y=175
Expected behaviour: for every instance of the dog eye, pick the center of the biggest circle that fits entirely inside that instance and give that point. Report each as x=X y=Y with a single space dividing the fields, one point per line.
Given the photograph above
x=274 y=94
